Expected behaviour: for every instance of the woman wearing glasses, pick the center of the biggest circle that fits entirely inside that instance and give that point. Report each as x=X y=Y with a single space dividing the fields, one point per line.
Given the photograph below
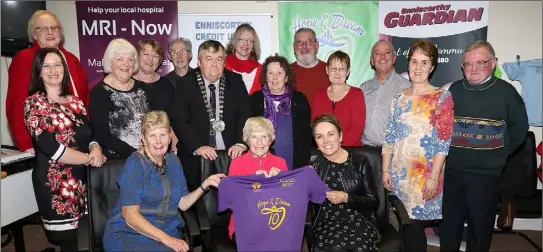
x=242 y=55
x=44 y=30
x=341 y=100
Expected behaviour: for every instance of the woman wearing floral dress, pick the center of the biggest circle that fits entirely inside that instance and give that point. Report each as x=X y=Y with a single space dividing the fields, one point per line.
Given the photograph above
x=62 y=138
x=416 y=143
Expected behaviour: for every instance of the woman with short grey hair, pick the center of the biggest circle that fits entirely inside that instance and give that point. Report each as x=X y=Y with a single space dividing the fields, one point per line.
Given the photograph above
x=118 y=103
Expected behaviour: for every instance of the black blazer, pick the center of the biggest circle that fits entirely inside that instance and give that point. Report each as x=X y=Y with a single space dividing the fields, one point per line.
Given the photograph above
x=190 y=120
x=301 y=124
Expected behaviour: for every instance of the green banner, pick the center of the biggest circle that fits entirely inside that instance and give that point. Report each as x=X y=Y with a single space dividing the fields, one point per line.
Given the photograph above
x=347 y=26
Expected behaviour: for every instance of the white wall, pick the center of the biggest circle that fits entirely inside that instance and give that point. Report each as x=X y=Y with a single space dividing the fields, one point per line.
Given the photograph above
x=514 y=28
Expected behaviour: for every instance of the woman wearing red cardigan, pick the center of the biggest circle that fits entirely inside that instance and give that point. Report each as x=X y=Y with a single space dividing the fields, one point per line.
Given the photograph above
x=242 y=55
x=341 y=100
x=44 y=30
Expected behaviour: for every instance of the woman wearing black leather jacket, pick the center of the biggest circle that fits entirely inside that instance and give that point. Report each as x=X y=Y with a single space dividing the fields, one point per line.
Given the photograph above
x=346 y=220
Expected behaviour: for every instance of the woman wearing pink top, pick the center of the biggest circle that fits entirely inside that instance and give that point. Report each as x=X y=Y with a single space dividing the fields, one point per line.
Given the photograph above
x=258 y=134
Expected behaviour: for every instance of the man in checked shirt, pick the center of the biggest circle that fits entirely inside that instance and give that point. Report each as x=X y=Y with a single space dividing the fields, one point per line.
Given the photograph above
x=378 y=92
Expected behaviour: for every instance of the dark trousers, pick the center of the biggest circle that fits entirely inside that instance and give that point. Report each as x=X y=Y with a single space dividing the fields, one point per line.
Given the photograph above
x=413 y=236
x=66 y=240
x=472 y=196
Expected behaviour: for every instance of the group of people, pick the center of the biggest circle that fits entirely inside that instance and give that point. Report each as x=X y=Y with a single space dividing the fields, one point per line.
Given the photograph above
x=275 y=113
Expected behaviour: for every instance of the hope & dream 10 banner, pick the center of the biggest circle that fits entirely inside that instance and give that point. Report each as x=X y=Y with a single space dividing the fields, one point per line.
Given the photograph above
x=347 y=26
x=221 y=27
x=451 y=26
x=99 y=22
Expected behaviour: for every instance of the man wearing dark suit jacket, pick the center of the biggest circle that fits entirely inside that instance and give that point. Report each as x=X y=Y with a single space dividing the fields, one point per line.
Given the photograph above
x=209 y=111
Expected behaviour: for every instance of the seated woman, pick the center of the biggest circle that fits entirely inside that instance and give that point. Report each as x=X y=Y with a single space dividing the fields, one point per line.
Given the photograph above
x=346 y=220
x=153 y=187
x=288 y=110
x=258 y=134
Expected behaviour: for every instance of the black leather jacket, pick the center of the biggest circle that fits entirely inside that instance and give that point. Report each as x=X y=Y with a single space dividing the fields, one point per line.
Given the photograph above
x=359 y=185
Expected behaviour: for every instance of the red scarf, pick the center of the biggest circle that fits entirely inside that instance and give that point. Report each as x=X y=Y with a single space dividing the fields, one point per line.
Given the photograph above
x=239 y=65
x=247 y=66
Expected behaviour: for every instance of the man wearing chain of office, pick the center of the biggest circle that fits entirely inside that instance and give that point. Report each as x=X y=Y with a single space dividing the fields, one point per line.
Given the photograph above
x=209 y=111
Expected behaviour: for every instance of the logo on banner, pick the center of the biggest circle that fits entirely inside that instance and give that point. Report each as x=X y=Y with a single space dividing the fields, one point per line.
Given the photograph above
x=431 y=15
x=334 y=28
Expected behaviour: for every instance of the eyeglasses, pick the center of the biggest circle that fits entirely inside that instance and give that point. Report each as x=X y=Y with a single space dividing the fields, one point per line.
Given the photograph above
x=336 y=69
x=478 y=64
x=250 y=42
x=44 y=29
x=300 y=43
x=180 y=51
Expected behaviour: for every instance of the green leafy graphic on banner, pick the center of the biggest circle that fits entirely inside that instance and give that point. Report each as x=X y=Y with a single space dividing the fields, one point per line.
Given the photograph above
x=347 y=26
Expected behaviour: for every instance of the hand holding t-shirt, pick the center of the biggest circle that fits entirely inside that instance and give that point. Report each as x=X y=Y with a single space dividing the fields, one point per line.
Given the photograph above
x=270 y=212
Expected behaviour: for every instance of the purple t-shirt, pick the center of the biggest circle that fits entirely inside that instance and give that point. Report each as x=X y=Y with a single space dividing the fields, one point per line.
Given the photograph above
x=270 y=212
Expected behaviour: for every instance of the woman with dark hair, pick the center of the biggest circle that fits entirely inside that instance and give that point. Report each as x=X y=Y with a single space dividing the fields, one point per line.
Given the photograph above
x=346 y=220
x=416 y=144
x=287 y=108
x=61 y=133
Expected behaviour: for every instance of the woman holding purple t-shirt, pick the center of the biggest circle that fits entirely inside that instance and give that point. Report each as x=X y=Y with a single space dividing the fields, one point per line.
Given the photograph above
x=346 y=220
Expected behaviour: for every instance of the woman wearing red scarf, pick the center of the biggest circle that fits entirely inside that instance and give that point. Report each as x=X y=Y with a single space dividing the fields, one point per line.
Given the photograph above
x=44 y=30
x=242 y=55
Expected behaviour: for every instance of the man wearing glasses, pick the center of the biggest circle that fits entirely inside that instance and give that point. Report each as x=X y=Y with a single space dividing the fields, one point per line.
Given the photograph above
x=180 y=54
x=310 y=72
x=490 y=122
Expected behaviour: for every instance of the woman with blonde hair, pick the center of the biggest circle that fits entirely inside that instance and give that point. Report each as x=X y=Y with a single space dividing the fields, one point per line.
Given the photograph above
x=44 y=30
x=242 y=55
x=152 y=190
x=258 y=134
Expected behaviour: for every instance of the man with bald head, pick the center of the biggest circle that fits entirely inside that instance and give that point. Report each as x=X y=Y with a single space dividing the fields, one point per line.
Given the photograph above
x=378 y=92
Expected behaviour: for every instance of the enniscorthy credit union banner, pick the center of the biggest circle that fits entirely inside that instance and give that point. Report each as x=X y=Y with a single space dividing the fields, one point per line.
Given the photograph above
x=347 y=26
x=451 y=26
x=99 y=22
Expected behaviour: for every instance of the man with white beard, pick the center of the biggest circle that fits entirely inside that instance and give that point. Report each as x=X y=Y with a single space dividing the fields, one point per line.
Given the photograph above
x=180 y=54
x=310 y=72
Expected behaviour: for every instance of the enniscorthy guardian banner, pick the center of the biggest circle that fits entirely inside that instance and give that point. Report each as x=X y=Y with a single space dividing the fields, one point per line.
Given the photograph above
x=451 y=26
x=347 y=26
x=99 y=22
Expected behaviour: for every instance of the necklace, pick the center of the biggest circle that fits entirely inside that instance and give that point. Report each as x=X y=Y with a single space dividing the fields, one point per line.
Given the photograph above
x=475 y=89
x=161 y=169
x=217 y=124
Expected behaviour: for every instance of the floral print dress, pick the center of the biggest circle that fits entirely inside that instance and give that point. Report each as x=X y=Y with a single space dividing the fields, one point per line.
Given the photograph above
x=59 y=188
x=418 y=128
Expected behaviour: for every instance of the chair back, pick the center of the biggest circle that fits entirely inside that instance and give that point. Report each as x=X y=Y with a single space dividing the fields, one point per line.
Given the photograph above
x=103 y=193
x=519 y=177
x=374 y=157
x=209 y=167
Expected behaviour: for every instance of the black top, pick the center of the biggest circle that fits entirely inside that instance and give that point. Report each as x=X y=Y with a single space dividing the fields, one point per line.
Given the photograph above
x=116 y=117
x=358 y=182
x=160 y=91
x=490 y=122
x=301 y=123
x=174 y=78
